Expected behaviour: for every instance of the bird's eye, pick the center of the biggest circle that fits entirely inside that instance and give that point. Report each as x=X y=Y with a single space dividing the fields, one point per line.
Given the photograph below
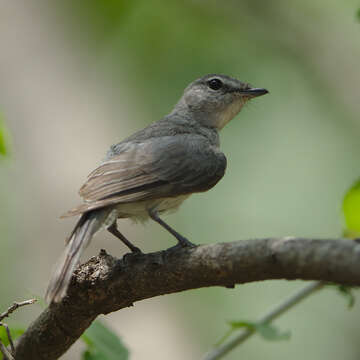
x=215 y=84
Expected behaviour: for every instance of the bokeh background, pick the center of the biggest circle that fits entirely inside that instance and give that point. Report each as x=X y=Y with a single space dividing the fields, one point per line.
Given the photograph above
x=77 y=76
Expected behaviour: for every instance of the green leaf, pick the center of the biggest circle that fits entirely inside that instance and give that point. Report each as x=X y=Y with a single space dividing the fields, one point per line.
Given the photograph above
x=243 y=324
x=93 y=355
x=347 y=292
x=15 y=333
x=351 y=209
x=267 y=331
x=358 y=15
x=103 y=344
x=3 y=138
x=271 y=333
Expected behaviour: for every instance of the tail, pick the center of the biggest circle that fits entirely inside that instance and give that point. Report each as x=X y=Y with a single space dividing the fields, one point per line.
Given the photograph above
x=88 y=224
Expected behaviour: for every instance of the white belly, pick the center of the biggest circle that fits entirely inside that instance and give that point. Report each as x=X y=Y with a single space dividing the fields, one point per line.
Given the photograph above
x=138 y=211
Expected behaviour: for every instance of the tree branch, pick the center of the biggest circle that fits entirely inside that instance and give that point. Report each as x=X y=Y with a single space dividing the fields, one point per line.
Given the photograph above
x=105 y=284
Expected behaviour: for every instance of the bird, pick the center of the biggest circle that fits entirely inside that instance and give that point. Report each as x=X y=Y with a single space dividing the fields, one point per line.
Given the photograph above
x=154 y=170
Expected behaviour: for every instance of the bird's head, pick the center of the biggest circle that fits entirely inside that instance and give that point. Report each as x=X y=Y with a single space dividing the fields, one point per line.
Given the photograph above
x=214 y=100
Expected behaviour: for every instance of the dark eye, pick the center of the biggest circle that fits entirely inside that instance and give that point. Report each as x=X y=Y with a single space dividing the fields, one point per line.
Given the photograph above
x=215 y=84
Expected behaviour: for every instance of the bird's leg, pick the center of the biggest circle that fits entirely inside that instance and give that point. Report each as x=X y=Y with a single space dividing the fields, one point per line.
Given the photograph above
x=182 y=241
x=114 y=230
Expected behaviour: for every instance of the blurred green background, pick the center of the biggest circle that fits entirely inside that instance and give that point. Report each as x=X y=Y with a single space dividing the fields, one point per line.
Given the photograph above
x=78 y=76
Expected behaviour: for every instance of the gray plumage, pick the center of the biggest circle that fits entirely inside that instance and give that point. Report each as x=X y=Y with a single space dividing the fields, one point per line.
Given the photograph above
x=156 y=169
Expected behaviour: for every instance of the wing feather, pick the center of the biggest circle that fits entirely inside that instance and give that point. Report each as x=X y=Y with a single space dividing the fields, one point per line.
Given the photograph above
x=160 y=167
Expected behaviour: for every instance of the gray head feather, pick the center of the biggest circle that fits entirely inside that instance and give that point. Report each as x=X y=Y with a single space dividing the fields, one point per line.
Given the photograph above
x=214 y=100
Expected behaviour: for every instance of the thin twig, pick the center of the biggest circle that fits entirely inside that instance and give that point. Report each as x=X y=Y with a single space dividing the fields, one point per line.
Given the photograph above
x=6 y=353
x=9 y=336
x=15 y=306
x=294 y=299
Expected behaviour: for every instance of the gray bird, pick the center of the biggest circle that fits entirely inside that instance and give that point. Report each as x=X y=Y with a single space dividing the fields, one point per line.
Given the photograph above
x=156 y=169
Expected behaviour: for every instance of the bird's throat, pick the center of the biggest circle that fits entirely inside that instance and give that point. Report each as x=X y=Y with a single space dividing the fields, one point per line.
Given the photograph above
x=228 y=114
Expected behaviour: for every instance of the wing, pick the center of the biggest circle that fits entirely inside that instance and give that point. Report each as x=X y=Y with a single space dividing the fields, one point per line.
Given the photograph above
x=161 y=167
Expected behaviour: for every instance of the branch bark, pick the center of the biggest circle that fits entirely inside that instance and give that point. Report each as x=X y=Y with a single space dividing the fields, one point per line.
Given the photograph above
x=105 y=284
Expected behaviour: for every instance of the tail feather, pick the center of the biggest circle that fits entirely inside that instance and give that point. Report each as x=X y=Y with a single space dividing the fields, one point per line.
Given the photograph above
x=86 y=227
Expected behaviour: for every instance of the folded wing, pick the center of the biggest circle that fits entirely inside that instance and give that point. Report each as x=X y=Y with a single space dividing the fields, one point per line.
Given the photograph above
x=161 y=167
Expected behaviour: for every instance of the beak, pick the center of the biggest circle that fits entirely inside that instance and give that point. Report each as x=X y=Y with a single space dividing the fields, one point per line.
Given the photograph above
x=254 y=92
